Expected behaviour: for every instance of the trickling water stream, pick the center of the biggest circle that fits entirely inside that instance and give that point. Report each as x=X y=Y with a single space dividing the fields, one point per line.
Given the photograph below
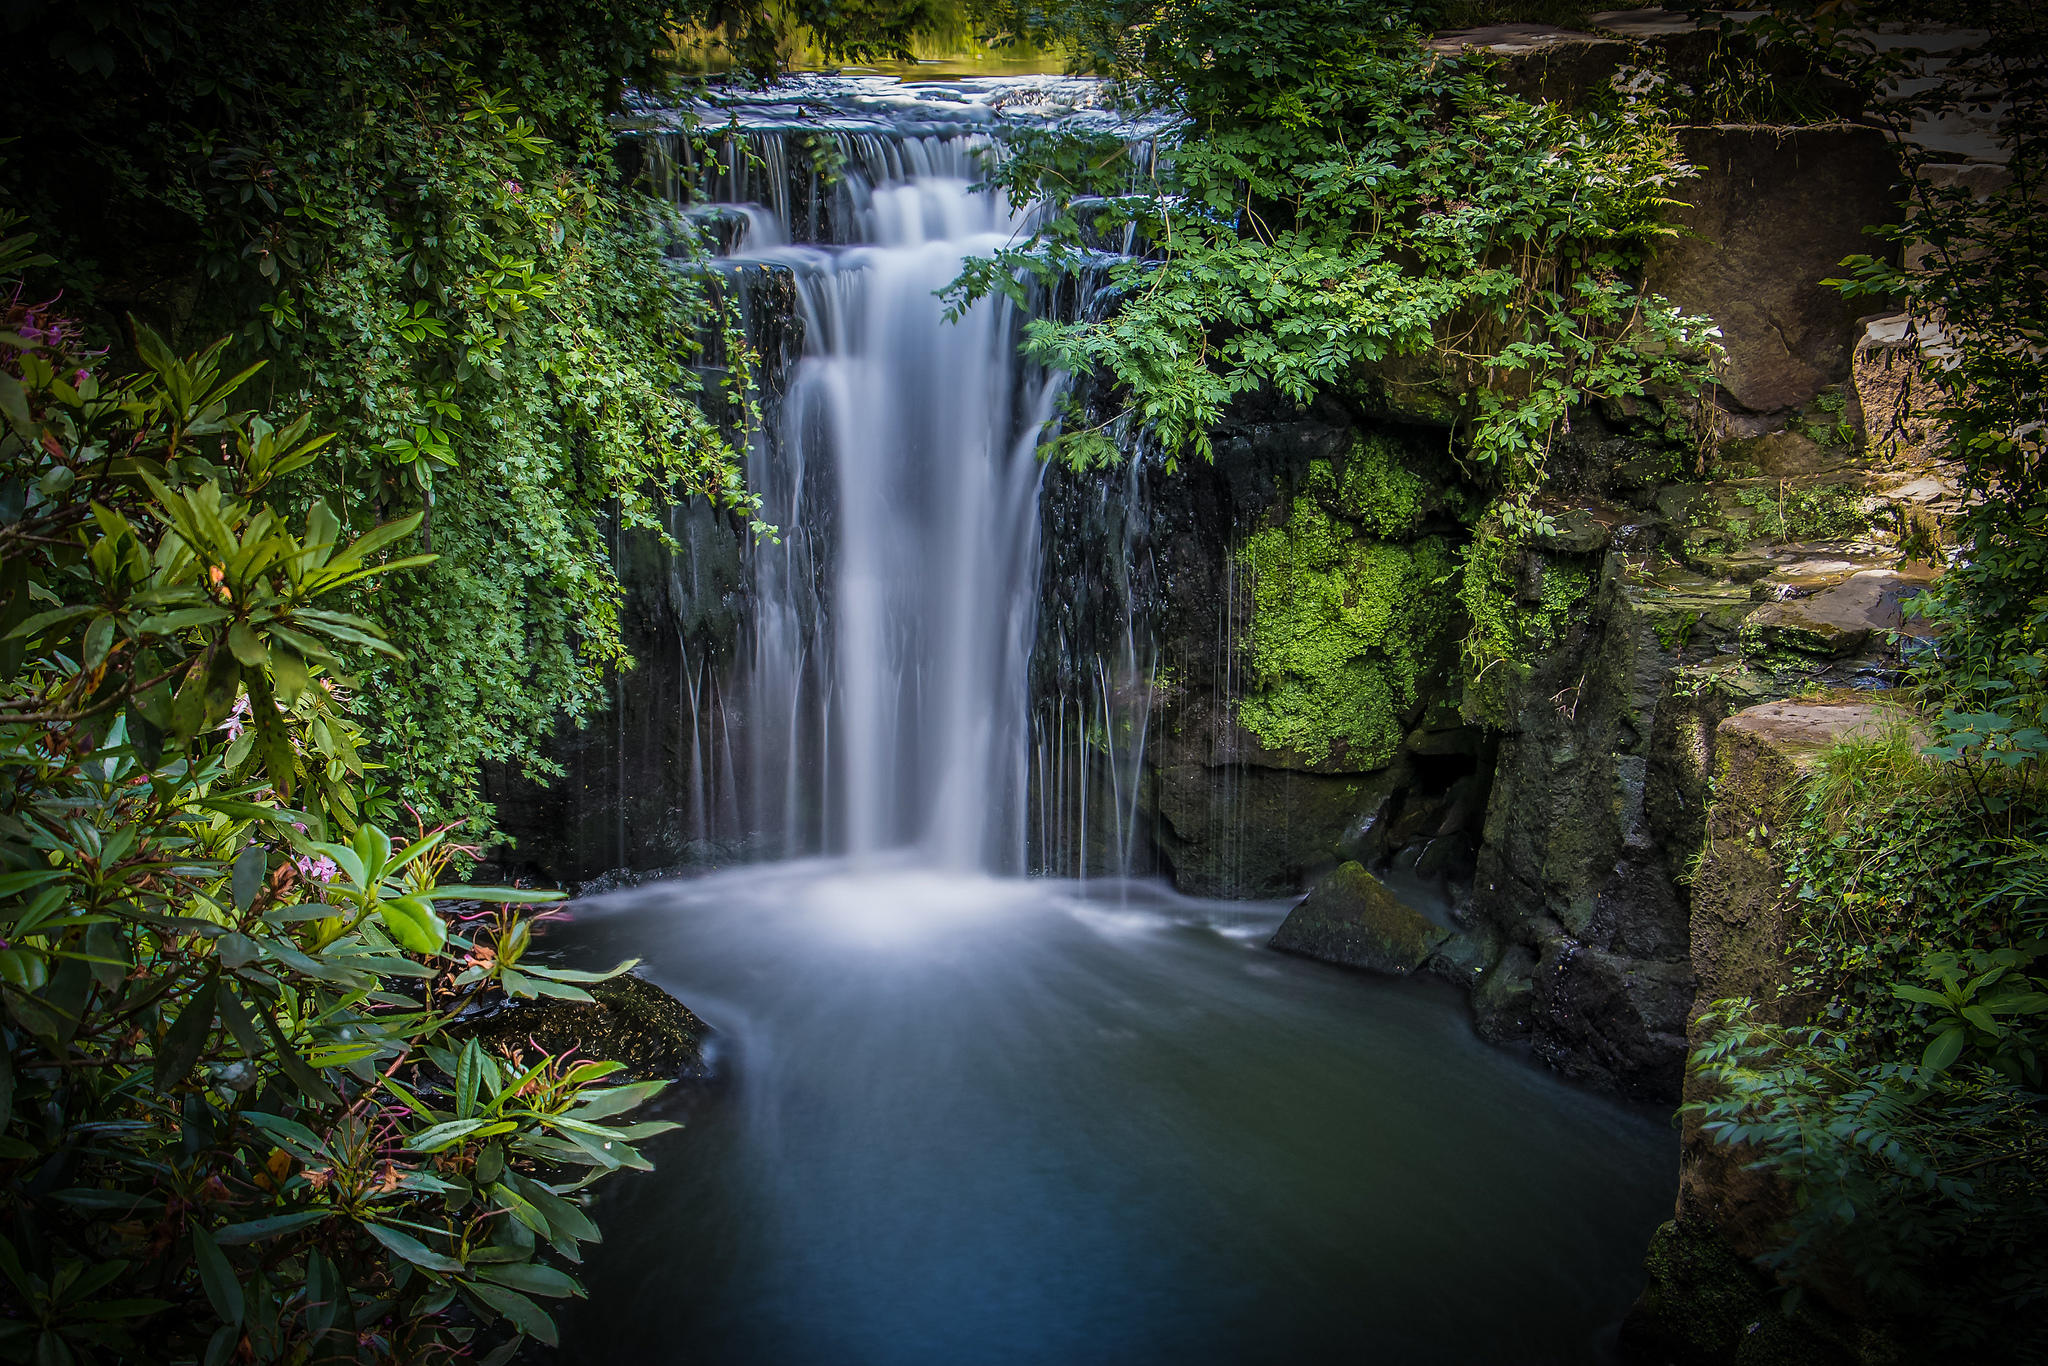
x=974 y=1117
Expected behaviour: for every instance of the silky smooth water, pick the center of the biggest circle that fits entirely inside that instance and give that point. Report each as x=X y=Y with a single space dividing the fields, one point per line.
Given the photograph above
x=983 y=1120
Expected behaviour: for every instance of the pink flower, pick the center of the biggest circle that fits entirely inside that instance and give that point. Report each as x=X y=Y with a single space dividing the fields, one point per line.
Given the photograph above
x=320 y=869
x=513 y=186
x=237 y=717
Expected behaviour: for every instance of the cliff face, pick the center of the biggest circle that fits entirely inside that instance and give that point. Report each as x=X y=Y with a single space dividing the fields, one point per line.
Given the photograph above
x=1549 y=789
x=1707 y=1303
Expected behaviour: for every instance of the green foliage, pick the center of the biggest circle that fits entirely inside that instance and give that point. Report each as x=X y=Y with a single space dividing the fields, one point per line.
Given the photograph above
x=1926 y=1186
x=1972 y=286
x=1377 y=489
x=1509 y=626
x=240 y=1119
x=414 y=212
x=1909 y=1116
x=1340 y=210
x=1345 y=626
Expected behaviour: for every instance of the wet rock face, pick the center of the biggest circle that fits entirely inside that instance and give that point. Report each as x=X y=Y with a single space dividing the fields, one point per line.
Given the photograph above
x=1577 y=865
x=1772 y=215
x=619 y=801
x=1836 y=622
x=1707 y=1302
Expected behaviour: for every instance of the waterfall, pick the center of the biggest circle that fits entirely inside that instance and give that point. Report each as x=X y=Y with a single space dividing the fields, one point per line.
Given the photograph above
x=892 y=619
x=881 y=694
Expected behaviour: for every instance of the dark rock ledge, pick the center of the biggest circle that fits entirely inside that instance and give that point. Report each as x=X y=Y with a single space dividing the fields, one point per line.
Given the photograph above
x=631 y=1020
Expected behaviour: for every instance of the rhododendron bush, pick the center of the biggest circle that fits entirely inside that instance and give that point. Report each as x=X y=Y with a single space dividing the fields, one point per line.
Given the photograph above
x=240 y=1117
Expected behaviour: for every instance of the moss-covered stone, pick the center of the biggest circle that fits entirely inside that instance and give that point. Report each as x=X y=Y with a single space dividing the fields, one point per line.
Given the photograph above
x=1255 y=831
x=1520 y=602
x=1706 y=1306
x=1345 y=625
x=1351 y=919
x=1375 y=489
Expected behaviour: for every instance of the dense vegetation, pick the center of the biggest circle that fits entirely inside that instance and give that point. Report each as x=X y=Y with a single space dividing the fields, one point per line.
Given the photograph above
x=412 y=213
x=239 y=1117
x=1909 y=1116
x=1337 y=200
x=1339 y=210
x=257 y=618
x=241 y=1114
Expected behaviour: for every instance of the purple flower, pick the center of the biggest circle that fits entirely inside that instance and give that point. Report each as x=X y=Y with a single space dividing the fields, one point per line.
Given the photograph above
x=320 y=869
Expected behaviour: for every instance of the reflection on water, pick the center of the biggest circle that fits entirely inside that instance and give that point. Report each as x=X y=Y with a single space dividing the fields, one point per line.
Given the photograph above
x=982 y=1120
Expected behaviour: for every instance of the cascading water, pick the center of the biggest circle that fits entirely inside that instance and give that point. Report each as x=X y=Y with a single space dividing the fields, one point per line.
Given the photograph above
x=892 y=623
x=979 y=1117
x=931 y=589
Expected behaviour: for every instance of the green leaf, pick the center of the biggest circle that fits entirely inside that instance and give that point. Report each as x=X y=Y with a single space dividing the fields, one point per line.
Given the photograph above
x=520 y=896
x=411 y=1249
x=289 y=671
x=295 y=1137
x=247 y=647
x=1946 y=1048
x=251 y=867
x=308 y=1081
x=528 y=1317
x=223 y=1291
x=14 y=884
x=600 y=1104
x=444 y=1135
x=575 y=975
x=1920 y=994
x=274 y=1226
x=178 y=1051
x=413 y=923
x=534 y=1278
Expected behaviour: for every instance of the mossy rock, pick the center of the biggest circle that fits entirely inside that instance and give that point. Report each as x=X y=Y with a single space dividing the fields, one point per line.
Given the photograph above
x=630 y=1020
x=1346 y=627
x=1841 y=621
x=1352 y=920
x=1705 y=1306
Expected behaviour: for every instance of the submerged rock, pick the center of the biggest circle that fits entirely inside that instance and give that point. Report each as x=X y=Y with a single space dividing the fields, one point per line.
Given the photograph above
x=1352 y=920
x=631 y=1020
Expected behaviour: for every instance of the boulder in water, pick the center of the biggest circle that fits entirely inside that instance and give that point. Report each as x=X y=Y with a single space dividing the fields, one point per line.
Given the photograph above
x=1351 y=919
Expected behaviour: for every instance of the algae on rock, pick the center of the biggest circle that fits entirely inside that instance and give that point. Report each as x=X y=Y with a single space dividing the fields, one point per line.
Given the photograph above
x=1345 y=625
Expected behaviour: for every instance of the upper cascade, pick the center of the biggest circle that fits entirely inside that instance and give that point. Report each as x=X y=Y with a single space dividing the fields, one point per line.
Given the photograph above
x=884 y=691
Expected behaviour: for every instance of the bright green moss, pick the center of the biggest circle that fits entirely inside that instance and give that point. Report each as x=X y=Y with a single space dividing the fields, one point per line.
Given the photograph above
x=1376 y=490
x=1506 y=632
x=1343 y=628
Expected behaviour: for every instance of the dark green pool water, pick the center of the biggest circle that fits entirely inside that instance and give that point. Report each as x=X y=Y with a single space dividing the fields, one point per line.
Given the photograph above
x=977 y=1121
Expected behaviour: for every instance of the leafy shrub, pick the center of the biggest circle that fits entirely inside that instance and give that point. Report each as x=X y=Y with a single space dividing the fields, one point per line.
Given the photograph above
x=1339 y=209
x=240 y=1119
x=413 y=213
